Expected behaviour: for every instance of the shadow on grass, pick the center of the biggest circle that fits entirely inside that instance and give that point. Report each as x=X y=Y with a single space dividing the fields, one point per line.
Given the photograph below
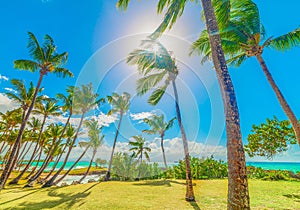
x=166 y=183
x=295 y=197
x=154 y=183
x=15 y=199
x=195 y=205
x=70 y=199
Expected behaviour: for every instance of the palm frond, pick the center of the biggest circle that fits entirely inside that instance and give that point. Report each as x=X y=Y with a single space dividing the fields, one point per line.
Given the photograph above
x=123 y=4
x=287 y=41
x=175 y=10
x=146 y=83
x=35 y=50
x=62 y=72
x=26 y=65
x=157 y=95
x=237 y=60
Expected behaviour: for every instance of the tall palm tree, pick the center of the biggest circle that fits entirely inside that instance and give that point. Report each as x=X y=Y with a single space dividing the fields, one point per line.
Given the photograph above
x=46 y=60
x=84 y=99
x=157 y=66
x=95 y=141
x=243 y=36
x=159 y=126
x=120 y=105
x=138 y=147
x=238 y=196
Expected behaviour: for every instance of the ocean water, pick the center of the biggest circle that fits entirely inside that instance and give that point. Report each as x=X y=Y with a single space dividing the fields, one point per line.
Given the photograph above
x=290 y=166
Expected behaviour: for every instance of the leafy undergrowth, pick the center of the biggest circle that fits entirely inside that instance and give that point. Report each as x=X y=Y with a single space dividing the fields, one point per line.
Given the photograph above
x=156 y=194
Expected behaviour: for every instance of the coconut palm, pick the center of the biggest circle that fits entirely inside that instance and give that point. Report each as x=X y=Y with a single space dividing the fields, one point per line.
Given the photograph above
x=95 y=141
x=159 y=70
x=120 y=105
x=243 y=36
x=46 y=60
x=238 y=196
x=139 y=149
x=53 y=133
x=84 y=100
x=159 y=126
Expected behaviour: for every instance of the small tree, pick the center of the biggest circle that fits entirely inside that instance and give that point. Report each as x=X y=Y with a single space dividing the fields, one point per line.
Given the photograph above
x=270 y=138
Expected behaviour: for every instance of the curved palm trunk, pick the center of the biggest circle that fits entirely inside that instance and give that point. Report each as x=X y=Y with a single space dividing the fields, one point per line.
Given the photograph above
x=8 y=167
x=17 y=179
x=90 y=165
x=44 y=166
x=36 y=165
x=163 y=150
x=51 y=181
x=285 y=106
x=55 y=164
x=20 y=157
x=24 y=155
x=70 y=169
x=189 y=183
x=107 y=177
x=238 y=195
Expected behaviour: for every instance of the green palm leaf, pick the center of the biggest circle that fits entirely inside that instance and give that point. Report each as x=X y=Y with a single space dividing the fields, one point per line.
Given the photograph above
x=287 y=41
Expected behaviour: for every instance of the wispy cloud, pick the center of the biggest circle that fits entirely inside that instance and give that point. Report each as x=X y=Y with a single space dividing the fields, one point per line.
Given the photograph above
x=6 y=103
x=10 y=90
x=2 y=77
x=141 y=116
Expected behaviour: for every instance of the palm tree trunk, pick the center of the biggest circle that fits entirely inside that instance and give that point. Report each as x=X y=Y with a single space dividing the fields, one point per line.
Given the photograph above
x=238 y=194
x=38 y=156
x=51 y=181
x=8 y=169
x=107 y=177
x=285 y=106
x=70 y=169
x=163 y=150
x=17 y=179
x=2 y=147
x=189 y=183
x=20 y=157
x=24 y=155
x=90 y=165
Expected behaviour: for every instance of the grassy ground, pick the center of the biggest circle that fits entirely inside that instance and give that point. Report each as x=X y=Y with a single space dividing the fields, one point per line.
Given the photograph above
x=160 y=194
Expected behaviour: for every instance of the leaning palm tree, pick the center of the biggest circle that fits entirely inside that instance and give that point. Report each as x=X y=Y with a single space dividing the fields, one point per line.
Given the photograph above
x=238 y=196
x=95 y=141
x=243 y=36
x=84 y=100
x=159 y=70
x=139 y=149
x=159 y=126
x=46 y=60
x=120 y=105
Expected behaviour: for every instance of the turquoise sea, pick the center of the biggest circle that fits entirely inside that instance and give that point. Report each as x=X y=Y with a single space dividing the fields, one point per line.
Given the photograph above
x=290 y=166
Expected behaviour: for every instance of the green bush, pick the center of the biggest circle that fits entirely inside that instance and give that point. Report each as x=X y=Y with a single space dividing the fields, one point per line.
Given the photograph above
x=201 y=168
x=126 y=168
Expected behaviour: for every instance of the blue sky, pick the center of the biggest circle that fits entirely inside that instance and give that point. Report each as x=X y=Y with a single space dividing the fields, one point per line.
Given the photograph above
x=98 y=38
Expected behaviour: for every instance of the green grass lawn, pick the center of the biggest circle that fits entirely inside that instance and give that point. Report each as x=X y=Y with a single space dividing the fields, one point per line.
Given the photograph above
x=159 y=194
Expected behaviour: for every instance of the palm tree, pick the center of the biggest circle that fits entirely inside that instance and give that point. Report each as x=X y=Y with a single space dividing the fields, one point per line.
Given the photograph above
x=138 y=147
x=120 y=105
x=238 y=196
x=95 y=141
x=84 y=100
x=158 y=125
x=53 y=133
x=156 y=65
x=243 y=36
x=46 y=60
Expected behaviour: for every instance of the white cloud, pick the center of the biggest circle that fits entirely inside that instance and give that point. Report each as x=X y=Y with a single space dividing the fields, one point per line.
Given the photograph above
x=11 y=90
x=2 y=77
x=141 y=116
x=6 y=103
